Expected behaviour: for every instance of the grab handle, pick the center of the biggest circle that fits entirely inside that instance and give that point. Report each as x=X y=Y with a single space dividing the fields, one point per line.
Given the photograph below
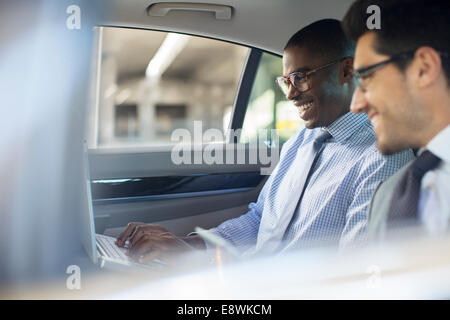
x=161 y=9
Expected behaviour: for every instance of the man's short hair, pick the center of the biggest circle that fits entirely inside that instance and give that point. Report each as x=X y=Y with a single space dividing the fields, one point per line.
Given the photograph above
x=325 y=38
x=405 y=26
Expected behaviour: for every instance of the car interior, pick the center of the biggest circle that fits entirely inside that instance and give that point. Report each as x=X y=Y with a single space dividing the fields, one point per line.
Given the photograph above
x=222 y=73
x=122 y=77
x=163 y=94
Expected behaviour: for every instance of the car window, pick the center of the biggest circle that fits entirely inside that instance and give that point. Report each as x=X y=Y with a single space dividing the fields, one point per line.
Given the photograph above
x=268 y=108
x=150 y=83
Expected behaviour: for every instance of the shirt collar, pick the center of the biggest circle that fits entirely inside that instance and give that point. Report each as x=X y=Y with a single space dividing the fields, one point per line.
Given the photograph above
x=439 y=144
x=345 y=126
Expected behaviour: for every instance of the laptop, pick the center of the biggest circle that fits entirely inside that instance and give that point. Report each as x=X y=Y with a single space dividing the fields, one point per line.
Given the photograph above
x=102 y=249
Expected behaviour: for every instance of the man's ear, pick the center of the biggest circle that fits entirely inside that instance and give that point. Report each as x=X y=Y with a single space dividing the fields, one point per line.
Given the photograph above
x=427 y=66
x=346 y=70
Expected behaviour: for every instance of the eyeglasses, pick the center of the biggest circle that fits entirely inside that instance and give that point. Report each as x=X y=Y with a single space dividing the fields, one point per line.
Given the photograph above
x=300 y=80
x=361 y=75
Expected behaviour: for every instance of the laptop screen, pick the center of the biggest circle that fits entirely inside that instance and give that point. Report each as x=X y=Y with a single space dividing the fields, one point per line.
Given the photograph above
x=87 y=214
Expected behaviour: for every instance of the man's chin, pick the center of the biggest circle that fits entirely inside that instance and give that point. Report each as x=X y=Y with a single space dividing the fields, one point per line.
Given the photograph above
x=311 y=124
x=388 y=149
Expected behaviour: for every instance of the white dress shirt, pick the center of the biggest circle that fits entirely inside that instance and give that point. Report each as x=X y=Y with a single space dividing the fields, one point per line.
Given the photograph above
x=434 y=200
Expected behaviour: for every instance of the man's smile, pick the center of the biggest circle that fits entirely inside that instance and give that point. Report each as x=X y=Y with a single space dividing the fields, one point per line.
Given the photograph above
x=304 y=106
x=373 y=117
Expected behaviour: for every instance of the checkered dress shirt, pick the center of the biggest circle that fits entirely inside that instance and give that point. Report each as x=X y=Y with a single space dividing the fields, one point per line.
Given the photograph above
x=334 y=205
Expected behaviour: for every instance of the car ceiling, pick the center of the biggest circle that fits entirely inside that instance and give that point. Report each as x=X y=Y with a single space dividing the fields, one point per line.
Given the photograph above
x=252 y=23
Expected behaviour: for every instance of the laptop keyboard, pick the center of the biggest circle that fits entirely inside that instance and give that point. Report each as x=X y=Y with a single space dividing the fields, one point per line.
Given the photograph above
x=110 y=248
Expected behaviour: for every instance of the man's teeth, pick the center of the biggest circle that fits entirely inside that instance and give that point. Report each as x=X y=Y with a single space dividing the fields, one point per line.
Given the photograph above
x=306 y=106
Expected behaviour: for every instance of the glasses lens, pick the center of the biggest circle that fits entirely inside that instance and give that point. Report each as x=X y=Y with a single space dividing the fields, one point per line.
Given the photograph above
x=359 y=80
x=299 y=81
x=283 y=84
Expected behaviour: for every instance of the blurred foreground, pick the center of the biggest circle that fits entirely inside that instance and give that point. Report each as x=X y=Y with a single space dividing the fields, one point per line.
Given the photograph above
x=413 y=269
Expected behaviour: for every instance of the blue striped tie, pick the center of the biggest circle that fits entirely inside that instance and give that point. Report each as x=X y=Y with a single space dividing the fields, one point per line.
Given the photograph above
x=271 y=242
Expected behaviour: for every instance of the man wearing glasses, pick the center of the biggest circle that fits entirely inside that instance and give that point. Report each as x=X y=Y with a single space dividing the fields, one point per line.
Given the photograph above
x=322 y=185
x=403 y=73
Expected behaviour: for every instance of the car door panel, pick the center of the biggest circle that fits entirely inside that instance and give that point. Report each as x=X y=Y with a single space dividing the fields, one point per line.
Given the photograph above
x=130 y=187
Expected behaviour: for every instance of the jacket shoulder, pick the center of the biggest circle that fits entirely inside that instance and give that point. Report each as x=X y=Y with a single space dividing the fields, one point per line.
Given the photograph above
x=380 y=203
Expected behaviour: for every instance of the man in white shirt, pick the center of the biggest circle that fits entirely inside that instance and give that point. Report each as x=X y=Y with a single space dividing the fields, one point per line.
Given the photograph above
x=434 y=202
x=403 y=73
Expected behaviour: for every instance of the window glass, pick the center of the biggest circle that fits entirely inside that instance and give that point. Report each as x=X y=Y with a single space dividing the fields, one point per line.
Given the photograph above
x=268 y=107
x=150 y=83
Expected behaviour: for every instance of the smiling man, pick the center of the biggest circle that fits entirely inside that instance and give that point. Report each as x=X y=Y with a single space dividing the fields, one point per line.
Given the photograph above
x=403 y=70
x=322 y=185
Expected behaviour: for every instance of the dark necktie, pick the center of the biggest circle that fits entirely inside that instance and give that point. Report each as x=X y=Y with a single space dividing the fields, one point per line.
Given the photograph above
x=406 y=195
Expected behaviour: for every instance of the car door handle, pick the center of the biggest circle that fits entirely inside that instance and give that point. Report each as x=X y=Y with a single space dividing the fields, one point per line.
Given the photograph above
x=161 y=9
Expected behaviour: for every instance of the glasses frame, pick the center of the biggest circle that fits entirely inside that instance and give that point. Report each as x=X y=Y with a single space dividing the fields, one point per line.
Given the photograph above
x=362 y=73
x=365 y=72
x=290 y=78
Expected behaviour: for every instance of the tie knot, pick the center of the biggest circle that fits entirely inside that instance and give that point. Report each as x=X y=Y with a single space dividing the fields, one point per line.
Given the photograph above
x=323 y=135
x=425 y=162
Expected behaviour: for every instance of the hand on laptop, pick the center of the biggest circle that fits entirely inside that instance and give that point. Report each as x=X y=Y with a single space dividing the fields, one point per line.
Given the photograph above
x=135 y=230
x=149 y=241
x=157 y=246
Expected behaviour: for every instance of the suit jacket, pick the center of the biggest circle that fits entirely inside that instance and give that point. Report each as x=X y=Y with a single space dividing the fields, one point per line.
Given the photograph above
x=380 y=203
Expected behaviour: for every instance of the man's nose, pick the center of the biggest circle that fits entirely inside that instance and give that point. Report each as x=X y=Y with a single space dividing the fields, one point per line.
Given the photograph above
x=359 y=102
x=292 y=93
